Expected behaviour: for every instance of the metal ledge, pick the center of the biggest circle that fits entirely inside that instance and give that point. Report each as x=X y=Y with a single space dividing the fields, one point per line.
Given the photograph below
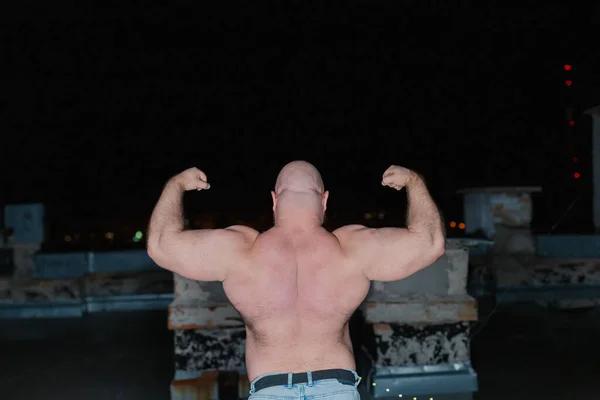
x=547 y=293
x=65 y=309
x=77 y=308
x=445 y=379
x=129 y=303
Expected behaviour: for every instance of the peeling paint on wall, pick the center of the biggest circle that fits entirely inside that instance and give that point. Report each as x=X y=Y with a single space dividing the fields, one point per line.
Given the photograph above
x=422 y=344
x=198 y=349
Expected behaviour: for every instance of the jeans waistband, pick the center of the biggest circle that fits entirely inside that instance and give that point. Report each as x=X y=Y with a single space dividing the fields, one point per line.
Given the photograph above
x=343 y=376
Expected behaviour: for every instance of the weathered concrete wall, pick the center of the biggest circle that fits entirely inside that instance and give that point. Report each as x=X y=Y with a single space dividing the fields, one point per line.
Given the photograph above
x=421 y=344
x=97 y=285
x=540 y=272
x=24 y=260
x=447 y=276
x=426 y=309
x=150 y=282
x=210 y=349
x=39 y=291
x=568 y=246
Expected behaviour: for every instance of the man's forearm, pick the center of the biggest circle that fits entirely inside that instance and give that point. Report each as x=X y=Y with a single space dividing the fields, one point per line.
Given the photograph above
x=167 y=216
x=423 y=214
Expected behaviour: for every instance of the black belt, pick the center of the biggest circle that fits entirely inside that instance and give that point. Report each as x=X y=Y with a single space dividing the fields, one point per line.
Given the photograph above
x=343 y=376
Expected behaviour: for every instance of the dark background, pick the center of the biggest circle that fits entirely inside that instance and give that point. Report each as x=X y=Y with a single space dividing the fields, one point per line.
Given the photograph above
x=102 y=102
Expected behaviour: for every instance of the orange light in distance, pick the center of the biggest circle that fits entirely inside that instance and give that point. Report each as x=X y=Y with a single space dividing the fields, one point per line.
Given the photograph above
x=452 y=224
x=461 y=226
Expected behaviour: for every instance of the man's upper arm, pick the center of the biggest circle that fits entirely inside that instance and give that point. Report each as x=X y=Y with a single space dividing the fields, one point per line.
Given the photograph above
x=205 y=254
x=388 y=254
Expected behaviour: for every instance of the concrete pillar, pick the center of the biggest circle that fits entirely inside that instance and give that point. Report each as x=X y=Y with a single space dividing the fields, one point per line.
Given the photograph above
x=595 y=114
x=502 y=214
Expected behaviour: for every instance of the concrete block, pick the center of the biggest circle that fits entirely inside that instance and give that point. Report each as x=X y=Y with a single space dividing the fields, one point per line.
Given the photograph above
x=24 y=260
x=27 y=223
x=420 y=309
x=447 y=276
x=421 y=344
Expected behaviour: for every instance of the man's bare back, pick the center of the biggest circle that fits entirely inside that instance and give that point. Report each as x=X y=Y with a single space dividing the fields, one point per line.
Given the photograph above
x=296 y=292
x=297 y=285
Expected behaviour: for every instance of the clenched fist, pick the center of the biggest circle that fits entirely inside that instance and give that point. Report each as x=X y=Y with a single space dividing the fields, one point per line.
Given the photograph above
x=191 y=179
x=398 y=177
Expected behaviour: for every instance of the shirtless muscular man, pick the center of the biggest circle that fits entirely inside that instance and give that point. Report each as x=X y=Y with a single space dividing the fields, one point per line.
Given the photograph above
x=296 y=285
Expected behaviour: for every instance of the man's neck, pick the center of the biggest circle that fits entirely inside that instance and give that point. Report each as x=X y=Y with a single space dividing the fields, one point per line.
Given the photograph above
x=300 y=221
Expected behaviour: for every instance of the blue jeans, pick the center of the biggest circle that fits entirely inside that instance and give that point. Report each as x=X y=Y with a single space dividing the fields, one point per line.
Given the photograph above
x=325 y=389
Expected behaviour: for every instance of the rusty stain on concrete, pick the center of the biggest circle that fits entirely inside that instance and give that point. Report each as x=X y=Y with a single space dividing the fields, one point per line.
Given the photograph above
x=204 y=387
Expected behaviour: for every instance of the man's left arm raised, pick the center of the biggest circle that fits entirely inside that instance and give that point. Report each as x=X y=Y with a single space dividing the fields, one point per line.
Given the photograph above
x=203 y=255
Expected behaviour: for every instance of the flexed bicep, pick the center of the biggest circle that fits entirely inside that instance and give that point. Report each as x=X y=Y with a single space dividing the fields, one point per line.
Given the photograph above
x=203 y=255
x=388 y=254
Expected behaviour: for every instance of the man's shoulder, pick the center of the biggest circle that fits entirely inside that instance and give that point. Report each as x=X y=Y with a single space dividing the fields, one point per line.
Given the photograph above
x=346 y=230
x=248 y=233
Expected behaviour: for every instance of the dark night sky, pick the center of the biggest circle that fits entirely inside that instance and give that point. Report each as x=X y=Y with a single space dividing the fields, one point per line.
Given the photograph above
x=102 y=102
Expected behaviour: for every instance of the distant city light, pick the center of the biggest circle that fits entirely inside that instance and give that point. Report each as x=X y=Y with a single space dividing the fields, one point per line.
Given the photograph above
x=68 y=238
x=567 y=67
x=138 y=236
x=381 y=215
x=571 y=123
x=368 y=216
x=109 y=235
x=452 y=224
x=568 y=82
x=461 y=225
x=576 y=175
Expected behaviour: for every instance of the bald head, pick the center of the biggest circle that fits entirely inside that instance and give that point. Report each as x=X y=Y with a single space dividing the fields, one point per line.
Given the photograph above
x=299 y=176
x=299 y=197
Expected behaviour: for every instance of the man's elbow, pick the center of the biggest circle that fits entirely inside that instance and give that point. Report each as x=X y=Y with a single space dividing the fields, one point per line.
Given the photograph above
x=438 y=246
x=156 y=254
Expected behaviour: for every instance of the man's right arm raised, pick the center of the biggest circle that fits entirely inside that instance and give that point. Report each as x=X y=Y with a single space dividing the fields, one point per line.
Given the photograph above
x=390 y=254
